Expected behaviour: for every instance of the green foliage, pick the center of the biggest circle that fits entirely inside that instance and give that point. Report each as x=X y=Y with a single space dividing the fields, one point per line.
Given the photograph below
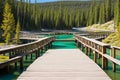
x=113 y=39
x=59 y=15
x=108 y=9
x=8 y=24
x=8 y=37
x=96 y=14
x=17 y=32
x=3 y=58
x=117 y=12
x=102 y=14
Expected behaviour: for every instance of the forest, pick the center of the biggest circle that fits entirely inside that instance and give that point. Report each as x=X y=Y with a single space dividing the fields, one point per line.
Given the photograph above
x=56 y=15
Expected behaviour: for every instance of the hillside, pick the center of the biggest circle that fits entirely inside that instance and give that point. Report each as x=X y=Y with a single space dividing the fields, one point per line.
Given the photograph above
x=108 y=26
x=113 y=39
x=68 y=4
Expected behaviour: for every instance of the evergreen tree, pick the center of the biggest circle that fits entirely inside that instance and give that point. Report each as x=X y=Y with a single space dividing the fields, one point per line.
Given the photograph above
x=78 y=19
x=102 y=14
x=96 y=14
x=8 y=24
x=117 y=12
x=17 y=32
x=108 y=10
x=90 y=20
x=60 y=15
x=117 y=16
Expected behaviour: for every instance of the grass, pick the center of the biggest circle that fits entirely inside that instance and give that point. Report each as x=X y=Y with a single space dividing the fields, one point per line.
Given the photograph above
x=101 y=27
x=2 y=44
x=113 y=39
x=3 y=58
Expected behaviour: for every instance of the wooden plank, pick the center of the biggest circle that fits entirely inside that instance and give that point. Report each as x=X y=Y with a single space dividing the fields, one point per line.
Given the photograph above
x=64 y=64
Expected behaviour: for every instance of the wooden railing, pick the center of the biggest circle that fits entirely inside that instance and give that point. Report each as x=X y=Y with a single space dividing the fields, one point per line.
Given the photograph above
x=98 y=48
x=17 y=53
x=96 y=35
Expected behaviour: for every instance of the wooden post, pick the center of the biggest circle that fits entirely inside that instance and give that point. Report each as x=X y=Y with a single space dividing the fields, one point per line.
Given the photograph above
x=21 y=63
x=86 y=50
x=36 y=52
x=106 y=63
x=31 y=56
x=113 y=54
x=82 y=47
x=26 y=57
x=104 y=60
x=40 y=52
x=15 y=65
x=95 y=55
x=89 y=52
x=99 y=56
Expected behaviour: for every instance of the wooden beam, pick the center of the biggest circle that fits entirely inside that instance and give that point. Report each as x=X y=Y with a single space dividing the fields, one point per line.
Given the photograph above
x=113 y=54
x=21 y=64
x=95 y=56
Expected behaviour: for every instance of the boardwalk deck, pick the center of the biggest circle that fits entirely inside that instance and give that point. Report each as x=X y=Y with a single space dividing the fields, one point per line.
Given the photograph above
x=64 y=64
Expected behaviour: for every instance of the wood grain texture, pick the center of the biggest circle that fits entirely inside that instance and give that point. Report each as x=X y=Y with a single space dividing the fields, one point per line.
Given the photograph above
x=63 y=64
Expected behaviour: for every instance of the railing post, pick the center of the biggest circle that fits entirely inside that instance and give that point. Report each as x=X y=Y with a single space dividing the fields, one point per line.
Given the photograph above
x=113 y=54
x=31 y=56
x=36 y=52
x=26 y=57
x=86 y=50
x=21 y=63
x=89 y=52
x=104 y=60
x=15 y=65
x=99 y=56
x=95 y=55
x=82 y=47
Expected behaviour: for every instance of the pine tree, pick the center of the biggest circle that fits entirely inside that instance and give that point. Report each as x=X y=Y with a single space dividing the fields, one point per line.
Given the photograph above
x=102 y=14
x=17 y=32
x=8 y=24
x=108 y=10
x=78 y=19
x=71 y=20
x=96 y=14
x=91 y=16
x=117 y=12
x=117 y=16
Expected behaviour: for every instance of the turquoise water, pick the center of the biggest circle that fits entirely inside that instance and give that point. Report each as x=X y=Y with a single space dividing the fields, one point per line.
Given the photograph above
x=64 y=36
x=64 y=45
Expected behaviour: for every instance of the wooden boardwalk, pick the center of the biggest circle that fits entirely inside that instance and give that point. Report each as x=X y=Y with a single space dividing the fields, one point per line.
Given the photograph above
x=63 y=64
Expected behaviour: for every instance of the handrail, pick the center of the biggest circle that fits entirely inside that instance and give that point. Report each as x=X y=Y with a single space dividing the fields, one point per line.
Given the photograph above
x=40 y=41
x=100 y=48
x=16 y=53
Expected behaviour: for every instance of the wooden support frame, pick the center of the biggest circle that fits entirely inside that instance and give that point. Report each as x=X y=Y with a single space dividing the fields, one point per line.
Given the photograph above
x=113 y=54
x=18 y=53
x=95 y=56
